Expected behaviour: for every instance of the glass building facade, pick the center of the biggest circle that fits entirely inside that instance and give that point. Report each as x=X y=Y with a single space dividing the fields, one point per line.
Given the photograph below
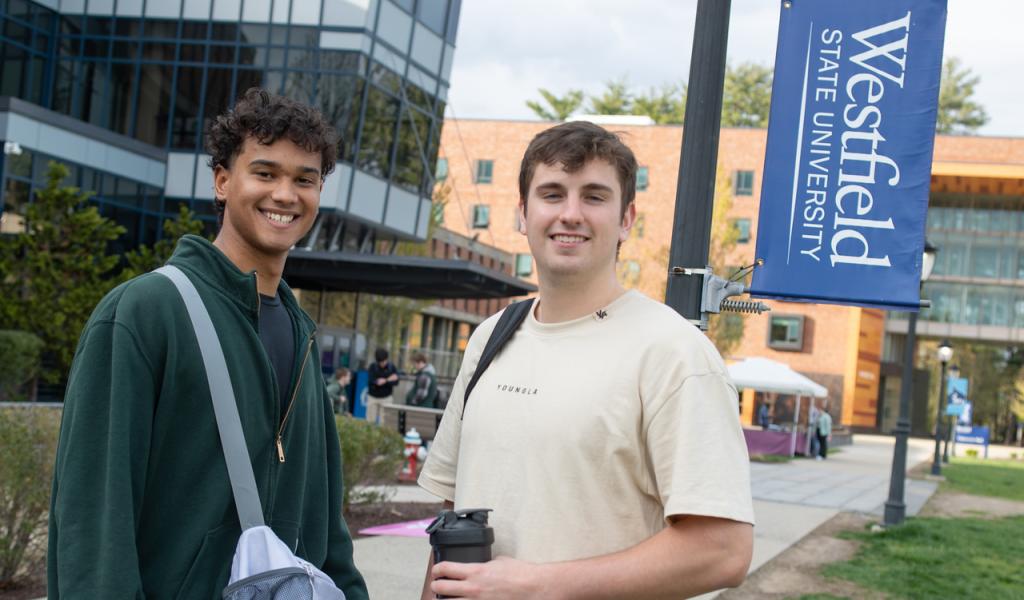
x=122 y=90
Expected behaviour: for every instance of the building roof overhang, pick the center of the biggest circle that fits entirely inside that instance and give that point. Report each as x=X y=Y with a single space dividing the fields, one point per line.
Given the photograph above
x=393 y=275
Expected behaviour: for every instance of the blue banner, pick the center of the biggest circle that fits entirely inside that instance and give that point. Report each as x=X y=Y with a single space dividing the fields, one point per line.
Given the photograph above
x=848 y=162
x=956 y=399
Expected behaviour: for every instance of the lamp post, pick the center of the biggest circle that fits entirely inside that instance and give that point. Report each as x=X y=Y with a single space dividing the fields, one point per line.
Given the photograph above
x=954 y=373
x=895 y=508
x=945 y=353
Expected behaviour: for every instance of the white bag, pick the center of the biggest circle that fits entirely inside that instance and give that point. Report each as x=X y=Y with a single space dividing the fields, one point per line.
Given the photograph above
x=264 y=568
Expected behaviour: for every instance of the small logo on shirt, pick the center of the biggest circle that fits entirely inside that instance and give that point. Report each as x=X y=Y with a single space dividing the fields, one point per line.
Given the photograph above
x=601 y=314
x=517 y=389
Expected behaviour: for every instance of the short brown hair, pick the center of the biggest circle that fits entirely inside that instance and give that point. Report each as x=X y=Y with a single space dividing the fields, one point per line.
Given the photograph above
x=340 y=372
x=419 y=357
x=574 y=144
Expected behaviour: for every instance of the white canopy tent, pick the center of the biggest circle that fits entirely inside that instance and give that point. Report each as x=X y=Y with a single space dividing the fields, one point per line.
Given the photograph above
x=764 y=375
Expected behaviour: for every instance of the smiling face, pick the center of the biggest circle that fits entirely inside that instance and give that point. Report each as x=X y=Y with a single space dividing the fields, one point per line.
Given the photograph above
x=574 y=222
x=272 y=194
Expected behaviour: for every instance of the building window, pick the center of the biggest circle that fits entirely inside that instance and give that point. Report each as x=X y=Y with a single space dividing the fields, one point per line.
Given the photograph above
x=442 y=169
x=524 y=265
x=481 y=216
x=786 y=332
x=484 y=171
x=642 y=179
x=742 y=229
x=744 y=183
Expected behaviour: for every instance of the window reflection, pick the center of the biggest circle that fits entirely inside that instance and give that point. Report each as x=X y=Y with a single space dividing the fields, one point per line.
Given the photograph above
x=377 y=133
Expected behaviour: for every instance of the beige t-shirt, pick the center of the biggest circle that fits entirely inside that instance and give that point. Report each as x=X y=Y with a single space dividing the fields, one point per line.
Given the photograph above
x=585 y=436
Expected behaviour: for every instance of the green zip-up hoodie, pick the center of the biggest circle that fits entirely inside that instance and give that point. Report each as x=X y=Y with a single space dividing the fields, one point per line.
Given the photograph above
x=141 y=504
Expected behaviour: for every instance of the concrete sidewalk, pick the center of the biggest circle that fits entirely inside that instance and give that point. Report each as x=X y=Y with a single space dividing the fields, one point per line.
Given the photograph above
x=790 y=500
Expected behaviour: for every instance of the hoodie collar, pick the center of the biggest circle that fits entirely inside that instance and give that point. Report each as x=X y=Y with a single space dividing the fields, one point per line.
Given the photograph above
x=206 y=262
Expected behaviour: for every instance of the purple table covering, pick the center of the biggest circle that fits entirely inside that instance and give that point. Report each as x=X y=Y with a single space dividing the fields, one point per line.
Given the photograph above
x=773 y=442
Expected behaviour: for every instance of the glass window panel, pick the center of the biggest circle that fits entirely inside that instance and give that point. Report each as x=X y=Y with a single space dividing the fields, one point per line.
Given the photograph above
x=340 y=60
x=1018 y=311
x=128 y=27
x=956 y=256
x=161 y=29
x=481 y=216
x=20 y=165
x=14 y=60
x=394 y=26
x=301 y=58
x=642 y=179
x=247 y=79
x=197 y=9
x=276 y=58
x=278 y=35
x=154 y=104
x=158 y=51
x=192 y=53
x=279 y=14
x=127 y=192
x=344 y=14
x=453 y=20
x=984 y=261
x=42 y=43
x=377 y=133
x=227 y=10
x=224 y=32
x=427 y=48
x=743 y=230
x=129 y=8
x=433 y=14
x=95 y=82
x=305 y=13
x=299 y=85
x=19 y=9
x=385 y=78
x=125 y=50
x=192 y=30
x=218 y=95
x=258 y=10
x=130 y=220
x=744 y=183
x=223 y=55
x=786 y=332
x=167 y=9
x=254 y=34
x=418 y=96
x=185 y=121
x=979 y=220
x=18 y=33
x=273 y=81
x=120 y=106
x=252 y=55
x=410 y=167
x=95 y=48
x=338 y=98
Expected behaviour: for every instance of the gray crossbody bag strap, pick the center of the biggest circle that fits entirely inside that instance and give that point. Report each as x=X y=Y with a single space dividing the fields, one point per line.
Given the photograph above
x=236 y=453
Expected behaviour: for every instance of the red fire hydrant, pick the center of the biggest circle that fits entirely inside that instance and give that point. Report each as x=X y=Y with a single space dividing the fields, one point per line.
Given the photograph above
x=413 y=441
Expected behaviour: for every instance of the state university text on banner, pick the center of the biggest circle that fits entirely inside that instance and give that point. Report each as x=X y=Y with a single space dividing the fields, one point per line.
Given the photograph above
x=848 y=161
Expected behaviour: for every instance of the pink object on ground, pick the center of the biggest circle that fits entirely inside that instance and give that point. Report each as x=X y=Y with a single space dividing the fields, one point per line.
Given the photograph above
x=406 y=529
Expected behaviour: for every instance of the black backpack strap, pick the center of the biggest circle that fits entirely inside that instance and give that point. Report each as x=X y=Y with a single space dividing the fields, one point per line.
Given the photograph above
x=508 y=323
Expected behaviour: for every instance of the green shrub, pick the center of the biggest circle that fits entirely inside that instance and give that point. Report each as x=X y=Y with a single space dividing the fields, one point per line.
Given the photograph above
x=371 y=455
x=20 y=354
x=28 y=440
x=971 y=452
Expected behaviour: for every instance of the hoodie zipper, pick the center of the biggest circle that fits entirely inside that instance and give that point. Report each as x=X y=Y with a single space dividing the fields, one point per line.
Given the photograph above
x=295 y=393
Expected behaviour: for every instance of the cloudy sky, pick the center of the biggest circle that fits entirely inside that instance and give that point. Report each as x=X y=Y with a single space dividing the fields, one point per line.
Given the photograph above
x=506 y=50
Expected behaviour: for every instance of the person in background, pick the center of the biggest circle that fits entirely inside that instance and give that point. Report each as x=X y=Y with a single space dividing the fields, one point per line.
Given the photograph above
x=337 y=389
x=824 y=432
x=763 y=412
x=383 y=377
x=424 y=390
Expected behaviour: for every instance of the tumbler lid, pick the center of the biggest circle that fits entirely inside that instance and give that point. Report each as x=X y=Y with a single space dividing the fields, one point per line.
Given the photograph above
x=467 y=527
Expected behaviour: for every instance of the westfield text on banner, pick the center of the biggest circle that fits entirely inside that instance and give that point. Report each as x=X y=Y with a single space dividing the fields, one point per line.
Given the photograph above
x=848 y=163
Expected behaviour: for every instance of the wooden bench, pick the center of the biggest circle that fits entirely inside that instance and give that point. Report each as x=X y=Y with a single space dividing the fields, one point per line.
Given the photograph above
x=402 y=417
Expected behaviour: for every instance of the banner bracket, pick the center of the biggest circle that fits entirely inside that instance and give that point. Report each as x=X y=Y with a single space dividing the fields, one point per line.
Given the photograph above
x=715 y=292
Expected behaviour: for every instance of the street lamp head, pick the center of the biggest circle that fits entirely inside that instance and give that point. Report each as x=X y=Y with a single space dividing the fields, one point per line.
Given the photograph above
x=928 y=261
x=945 y=352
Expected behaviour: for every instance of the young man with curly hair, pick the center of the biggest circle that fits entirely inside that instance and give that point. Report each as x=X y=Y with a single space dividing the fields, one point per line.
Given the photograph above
x=605 y=434
x=142 y=504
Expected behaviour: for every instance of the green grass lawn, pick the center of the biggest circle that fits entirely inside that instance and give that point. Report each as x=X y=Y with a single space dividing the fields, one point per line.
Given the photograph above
x=940 y=558
x=770 y=458
x=999 y=478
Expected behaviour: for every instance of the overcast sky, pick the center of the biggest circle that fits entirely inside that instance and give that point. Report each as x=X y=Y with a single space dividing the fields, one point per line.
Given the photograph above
x=506 y=50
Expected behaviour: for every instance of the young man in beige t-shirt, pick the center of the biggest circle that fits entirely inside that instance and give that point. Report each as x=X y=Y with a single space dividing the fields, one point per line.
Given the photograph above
x=605 y=435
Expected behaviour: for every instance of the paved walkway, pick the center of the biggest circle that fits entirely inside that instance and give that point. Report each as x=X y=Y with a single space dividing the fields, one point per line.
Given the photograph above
x=790 y=500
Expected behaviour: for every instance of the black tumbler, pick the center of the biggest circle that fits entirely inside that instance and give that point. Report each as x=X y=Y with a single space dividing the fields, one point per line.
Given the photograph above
x=461 y=536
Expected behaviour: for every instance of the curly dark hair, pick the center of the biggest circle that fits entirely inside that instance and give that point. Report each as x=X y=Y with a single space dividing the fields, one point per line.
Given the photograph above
x=269 y=117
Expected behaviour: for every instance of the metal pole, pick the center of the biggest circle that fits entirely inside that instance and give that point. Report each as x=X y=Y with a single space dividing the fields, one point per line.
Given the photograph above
x=698 y=160
x=937 y=459
x=949 y=434
x=895 y=508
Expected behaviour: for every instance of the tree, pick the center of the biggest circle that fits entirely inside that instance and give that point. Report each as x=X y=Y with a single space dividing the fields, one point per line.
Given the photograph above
x=958 y=112
x=559 y=108
x=144 y=258
x=57 y=270
x=747 y=95
x=616 y=99
x=725 y=329
x=666 y=105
